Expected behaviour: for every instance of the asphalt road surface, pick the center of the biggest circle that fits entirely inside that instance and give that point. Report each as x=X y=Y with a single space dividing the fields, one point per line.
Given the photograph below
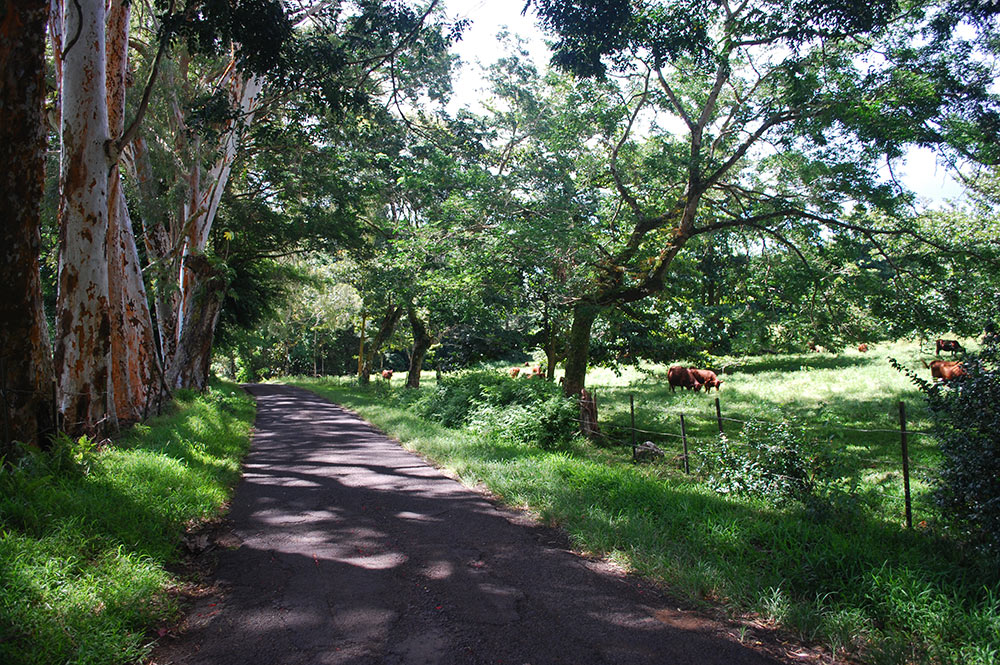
x=354 y=550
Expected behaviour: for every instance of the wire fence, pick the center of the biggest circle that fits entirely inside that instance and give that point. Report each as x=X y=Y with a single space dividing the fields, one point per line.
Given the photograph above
x=902 y=497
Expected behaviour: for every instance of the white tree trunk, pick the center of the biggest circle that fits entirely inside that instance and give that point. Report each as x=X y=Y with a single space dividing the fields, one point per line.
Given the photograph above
x=202 y=288
x=82 y=314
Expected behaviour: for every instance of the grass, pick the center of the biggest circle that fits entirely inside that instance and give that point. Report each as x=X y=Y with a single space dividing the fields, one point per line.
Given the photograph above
x=837 y=574
x=85 y=543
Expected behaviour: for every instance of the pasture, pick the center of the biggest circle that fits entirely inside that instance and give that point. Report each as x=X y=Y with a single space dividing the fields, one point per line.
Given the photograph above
x=848 y=400
x=840 y=572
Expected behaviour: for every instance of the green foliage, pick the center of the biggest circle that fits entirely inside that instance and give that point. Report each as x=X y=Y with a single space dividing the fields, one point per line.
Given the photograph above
x=966 y=414
x=766 y=460
x=64 y=457
x=548 y=424
x=455 y=398
x=86 y=534
x=515 y=411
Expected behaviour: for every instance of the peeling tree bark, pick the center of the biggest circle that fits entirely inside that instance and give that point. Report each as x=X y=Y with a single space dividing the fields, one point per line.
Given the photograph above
x=188 y=366
x=194 y=349
x=27 y=398
x=159 y=244
x=83 y=325
x=135 y=370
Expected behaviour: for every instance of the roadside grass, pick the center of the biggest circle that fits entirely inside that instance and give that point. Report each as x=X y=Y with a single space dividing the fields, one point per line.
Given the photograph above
x=832 y=572
x=84 y=543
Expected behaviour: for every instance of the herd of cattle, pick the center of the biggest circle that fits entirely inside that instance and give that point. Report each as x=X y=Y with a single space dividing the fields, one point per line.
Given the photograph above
x=695 y=379
x=946 y=370
x=534 y=373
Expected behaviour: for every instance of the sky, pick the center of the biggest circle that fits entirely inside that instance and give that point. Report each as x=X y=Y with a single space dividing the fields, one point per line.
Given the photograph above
x=919 y=170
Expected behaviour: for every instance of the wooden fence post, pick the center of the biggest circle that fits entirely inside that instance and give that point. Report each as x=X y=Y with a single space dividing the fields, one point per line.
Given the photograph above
x=684 y=438
x=906 y=465
x=718 y=414
x=631 y=408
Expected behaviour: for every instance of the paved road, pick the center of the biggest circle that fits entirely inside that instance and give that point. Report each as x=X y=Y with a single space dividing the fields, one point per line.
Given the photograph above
x=357 y=551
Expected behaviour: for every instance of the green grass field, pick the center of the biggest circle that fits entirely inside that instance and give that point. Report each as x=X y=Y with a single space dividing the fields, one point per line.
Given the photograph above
x=847 y=576
x=86 y=536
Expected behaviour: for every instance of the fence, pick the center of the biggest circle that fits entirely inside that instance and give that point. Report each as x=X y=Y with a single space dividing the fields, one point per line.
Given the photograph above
x=685 y=440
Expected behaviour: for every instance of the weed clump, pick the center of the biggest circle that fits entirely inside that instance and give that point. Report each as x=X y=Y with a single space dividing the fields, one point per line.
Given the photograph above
x=765 y=460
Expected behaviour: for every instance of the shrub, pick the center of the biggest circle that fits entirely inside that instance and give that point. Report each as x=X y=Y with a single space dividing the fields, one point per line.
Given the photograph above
x=966 y=415
x=518 y=411
x=765 y=460
x=456 y=397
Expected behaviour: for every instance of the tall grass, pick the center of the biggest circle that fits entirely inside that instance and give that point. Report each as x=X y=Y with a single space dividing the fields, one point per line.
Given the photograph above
x=84 y=543
x=833 y=572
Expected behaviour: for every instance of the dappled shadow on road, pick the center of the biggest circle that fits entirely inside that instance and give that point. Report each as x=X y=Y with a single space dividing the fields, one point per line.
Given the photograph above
x=354 y=551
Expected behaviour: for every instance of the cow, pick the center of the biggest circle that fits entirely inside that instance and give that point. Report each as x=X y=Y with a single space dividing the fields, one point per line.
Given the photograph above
x=948 y=345
x=514 y=371
x=946 y=370
x=863 y=348
x=683 y=377
x=387 y=374
x=708 y=378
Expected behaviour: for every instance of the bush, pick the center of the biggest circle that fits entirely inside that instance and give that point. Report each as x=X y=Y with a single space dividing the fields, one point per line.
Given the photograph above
x=514 y=410
x=548 y=424
x=766 y=460
x=455 y=397
x=966 y=414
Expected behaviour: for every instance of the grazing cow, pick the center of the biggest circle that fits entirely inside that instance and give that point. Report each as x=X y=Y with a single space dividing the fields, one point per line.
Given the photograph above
x=708 y=378
x=863 y=348
x=946 y=370
x=536 y=372
x=683 y=377
x=514 y=371
x=948 y=345
x=387 y=374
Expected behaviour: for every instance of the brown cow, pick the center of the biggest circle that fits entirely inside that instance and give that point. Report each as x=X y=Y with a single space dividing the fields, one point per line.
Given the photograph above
x=946 y=370
x=948 y=345
x=514 y=371
x=387 y=374
x=863 y=348
x=707 y=378
x=683 y=377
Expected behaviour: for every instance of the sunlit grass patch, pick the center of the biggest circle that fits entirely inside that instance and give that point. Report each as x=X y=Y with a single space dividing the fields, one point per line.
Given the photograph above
x=83 y=555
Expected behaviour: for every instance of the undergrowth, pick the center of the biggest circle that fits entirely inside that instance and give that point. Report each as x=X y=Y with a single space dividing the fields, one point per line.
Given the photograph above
x=86 y=533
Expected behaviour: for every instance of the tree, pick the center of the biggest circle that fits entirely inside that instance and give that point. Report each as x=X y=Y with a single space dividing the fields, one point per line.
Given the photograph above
x=783 y=119
x=26 y=373
x=316 y=66
x=83 y=318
